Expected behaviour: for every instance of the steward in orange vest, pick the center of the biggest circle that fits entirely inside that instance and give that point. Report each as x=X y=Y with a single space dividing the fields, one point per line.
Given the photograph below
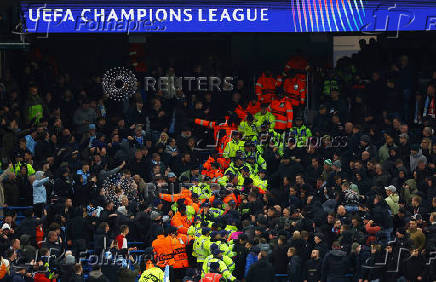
x=294 y=89
x=265 y=87
x=221 y=139
x=179 y=245
x=297 y=63
x=252 y=108
x=163 y=251
x=180 y=220
x=283 y=111
x=184 y=194
x=230 y=124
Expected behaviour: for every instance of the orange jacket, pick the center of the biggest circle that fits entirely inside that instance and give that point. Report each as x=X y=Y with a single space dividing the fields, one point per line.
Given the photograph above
x=371 y=230
x=222 y=143
x=211 y=277
x=179 y=250
x=3 y=270
x=295 y=90
x=185 y=194
x=208 y=171
x=213 y=174
x=224 y=164
x=181 y=222
x=39 y=236
x=230 y=197
x=221 y=140
x=240 y=112
x=297 y=63
x=283 y=111
x=265 y=88
x=207 y=164
x=251 y=108
x=196 y=207
x=217 y=126
x=163 y=251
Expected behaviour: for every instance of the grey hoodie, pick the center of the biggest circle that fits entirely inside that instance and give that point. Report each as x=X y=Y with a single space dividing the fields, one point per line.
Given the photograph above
x=39 y=192
x=414 y=159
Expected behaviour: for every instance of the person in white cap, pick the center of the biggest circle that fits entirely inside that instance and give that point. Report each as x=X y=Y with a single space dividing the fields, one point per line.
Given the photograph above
x=392 y=199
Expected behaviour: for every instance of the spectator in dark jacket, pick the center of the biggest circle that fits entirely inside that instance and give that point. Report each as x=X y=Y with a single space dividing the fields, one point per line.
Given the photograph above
x=137 y=113
x=241 y=254
x=77 y=273
x=279 y=257
x=159 y=119
x=295 y=266
x=312 y=267
x=101 y=238
x=52 y=244
x=11 y=190
x=63 y=185
x=24 y=187
x=27 y=225
x=262 y=270
x=78 y=231
x=412 y=267
x=336 y=265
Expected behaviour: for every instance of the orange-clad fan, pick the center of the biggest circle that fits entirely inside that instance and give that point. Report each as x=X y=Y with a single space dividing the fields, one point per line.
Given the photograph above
x=265 y=87
x=163 y=251
x=180 y=220
x=253 y=107
x=179 y=246
x=283 y=111
x=184 y=194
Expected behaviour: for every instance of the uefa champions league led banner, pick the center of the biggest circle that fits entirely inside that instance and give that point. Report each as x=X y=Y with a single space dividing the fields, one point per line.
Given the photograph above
x=291 y=16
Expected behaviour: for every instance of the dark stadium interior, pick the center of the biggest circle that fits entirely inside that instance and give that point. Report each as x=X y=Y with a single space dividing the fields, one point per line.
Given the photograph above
x=312 y=159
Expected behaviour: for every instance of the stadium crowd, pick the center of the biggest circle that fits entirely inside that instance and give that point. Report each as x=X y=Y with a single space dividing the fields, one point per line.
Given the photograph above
x=124 y=191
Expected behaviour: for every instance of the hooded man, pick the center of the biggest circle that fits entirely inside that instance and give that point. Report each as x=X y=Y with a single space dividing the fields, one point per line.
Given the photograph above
x=335 y=265
x=416 y=156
